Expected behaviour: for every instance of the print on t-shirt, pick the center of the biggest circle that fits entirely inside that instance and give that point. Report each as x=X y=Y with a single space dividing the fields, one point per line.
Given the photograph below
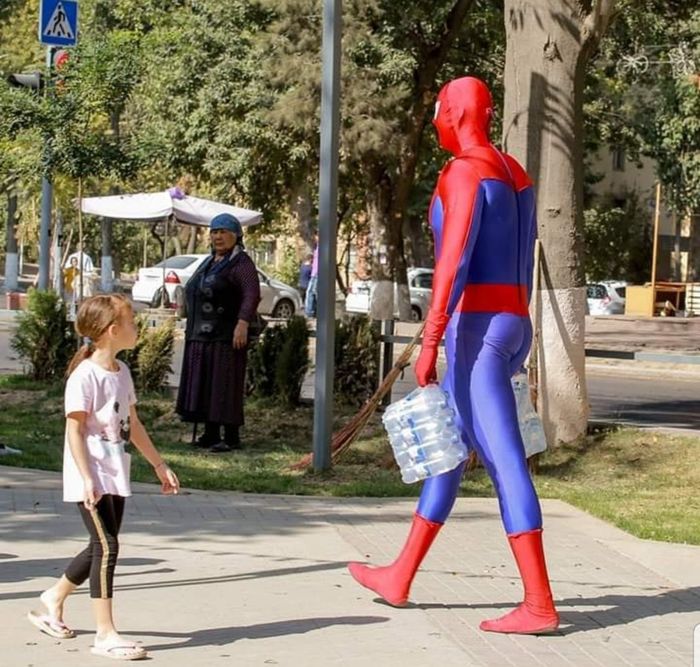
x=124 y=425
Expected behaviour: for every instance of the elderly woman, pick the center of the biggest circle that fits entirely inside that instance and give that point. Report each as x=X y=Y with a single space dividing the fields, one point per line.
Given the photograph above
x=222 y=299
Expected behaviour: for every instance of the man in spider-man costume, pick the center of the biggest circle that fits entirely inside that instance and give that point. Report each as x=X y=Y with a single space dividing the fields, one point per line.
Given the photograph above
x=483 y=219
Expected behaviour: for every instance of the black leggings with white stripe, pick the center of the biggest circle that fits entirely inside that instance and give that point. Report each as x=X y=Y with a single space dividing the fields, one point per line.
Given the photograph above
x=98 y=560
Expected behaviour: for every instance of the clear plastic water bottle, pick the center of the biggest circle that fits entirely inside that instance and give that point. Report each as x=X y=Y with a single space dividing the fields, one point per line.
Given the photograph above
x=423 y=434
x=531 y=428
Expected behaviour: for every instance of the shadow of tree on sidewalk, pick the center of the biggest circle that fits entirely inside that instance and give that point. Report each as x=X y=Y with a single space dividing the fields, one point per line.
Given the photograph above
x=229 y=635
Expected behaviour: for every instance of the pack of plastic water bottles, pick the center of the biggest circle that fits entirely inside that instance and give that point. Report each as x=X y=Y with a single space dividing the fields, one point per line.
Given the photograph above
x=423 y=434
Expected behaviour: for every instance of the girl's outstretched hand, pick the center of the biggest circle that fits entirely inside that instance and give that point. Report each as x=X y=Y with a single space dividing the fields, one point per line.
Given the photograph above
x=169 y=483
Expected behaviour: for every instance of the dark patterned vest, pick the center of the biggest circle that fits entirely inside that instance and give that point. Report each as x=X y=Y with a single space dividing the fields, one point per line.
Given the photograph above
x=214 y=298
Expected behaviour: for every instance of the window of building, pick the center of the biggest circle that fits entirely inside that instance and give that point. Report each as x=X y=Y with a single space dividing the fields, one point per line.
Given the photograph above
x=618 y=159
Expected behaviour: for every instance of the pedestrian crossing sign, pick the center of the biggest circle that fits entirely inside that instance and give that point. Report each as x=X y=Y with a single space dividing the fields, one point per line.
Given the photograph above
x=58 y=22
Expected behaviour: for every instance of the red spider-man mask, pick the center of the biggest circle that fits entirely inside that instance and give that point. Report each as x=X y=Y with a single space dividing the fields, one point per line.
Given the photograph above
x=463 y=114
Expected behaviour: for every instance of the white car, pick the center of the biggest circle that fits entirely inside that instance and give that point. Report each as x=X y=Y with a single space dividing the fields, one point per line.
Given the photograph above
x=420 y=287
x=606 y=297
x=277 y=298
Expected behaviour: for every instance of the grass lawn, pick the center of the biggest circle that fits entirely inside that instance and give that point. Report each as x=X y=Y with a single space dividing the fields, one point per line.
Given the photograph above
x=642 y=481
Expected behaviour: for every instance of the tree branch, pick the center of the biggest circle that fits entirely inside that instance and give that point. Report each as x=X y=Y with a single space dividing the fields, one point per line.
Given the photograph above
x=596 y=22
x=425 y=80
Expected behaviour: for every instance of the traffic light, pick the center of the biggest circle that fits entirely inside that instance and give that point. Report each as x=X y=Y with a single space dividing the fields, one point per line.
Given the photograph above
x=31 y=80
x=60 y=59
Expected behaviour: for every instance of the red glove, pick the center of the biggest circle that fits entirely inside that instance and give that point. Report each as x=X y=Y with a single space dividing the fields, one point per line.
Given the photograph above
x=425 y=366
x=427 y=359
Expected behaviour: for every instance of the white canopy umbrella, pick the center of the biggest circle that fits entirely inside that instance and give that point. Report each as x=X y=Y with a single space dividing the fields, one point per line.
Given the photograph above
x=172 y=204
x=163 y=205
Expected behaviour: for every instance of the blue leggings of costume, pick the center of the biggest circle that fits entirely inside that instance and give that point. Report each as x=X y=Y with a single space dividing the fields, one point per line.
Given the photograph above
x=484 y=350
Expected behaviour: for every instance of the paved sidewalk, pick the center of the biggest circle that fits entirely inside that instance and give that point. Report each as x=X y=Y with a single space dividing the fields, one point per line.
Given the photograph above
x=223 y=578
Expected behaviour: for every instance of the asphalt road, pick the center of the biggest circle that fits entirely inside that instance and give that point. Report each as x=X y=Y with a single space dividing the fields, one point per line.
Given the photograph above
x=650 y=401
x=646 y=400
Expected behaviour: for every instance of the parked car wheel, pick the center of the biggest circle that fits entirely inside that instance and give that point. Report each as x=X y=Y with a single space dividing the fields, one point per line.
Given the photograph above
x=160 y=299
x=284 y=309
x=416 y=315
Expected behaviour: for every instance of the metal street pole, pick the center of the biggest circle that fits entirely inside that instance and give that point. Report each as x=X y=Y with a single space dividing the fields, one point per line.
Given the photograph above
x=327 y=242
x=11 y=256
x=107 y=284
x=46 y=203
x=57 y=278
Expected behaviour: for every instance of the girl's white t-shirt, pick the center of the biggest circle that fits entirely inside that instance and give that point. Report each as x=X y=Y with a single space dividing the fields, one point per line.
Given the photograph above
x=106 y=397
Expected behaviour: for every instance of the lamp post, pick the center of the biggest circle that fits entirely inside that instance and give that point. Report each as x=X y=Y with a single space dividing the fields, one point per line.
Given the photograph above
x=327 y=242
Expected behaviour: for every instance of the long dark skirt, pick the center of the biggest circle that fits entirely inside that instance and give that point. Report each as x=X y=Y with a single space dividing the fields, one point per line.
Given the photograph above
x=212 y=383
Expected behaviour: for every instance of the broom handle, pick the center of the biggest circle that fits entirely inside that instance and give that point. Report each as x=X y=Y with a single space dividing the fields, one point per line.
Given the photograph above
x=533 y=375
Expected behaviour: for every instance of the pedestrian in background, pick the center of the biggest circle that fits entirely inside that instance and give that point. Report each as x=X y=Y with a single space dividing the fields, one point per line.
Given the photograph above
x=311 y=299
x=305 y=275
x=222 y=299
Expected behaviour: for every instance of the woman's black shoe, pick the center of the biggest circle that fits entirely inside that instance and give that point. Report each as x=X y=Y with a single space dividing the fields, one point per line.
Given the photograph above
x=204 y=442
x=232 y=436
x=210 y=437
x=220 y=447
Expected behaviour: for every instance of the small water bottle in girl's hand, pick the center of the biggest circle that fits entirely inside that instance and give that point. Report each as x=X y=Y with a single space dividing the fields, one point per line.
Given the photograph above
x=423 y=434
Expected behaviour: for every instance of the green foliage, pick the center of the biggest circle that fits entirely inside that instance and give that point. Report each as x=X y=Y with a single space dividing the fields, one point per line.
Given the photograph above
x=356 y=359
x=293 y=360
x=155 y=357
x=150 y=360
x=131 y=357
x=288 y=272
x=44 y=339
x=277 y=364
x=618 y=241
x=262 y=362
x=654 y=113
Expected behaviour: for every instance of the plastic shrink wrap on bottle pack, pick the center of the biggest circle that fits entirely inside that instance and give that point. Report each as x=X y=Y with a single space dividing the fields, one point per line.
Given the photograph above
x=423 y=434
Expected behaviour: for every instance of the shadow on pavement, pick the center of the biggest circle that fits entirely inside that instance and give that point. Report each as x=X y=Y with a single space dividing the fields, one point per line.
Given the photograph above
x=229 y=635
x=620 y=609
x=23 y=570
x=203 y=581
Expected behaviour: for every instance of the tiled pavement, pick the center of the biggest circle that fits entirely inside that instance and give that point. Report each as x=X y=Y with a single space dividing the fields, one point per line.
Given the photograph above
x=221 y=578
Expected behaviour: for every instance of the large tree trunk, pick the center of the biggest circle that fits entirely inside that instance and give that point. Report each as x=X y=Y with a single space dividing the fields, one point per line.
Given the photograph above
x=419 y=248
x=192 y=240
x=548 y=44
x=302 y=211
x=387 y=247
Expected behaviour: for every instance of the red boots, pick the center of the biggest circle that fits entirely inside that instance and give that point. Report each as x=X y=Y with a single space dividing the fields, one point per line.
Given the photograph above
x=393 y=582
x=536 y=614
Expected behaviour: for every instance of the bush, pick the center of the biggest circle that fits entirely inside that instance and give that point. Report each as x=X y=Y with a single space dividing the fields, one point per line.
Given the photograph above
x=356 y=359
x=131 y=357
x=44 y=337
x=288 y=271
x=151 y=358
x=293 y=361
x=278 y=363
x=262 y=360
x=618 y=240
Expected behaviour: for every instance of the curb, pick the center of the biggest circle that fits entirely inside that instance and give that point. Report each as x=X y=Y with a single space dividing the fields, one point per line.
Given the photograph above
x=642 y=369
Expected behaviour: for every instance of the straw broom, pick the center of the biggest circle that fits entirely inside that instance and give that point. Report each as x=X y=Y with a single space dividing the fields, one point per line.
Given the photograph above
x=343 y=438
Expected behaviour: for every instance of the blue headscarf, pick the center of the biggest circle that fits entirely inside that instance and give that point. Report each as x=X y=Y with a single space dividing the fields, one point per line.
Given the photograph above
x=229 y=222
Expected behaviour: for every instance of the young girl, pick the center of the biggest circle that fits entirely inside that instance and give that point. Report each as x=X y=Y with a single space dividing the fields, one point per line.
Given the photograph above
x=100 y=420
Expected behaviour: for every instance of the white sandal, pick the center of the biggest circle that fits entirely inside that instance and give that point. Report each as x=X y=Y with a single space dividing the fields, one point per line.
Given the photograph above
x=119 y=650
